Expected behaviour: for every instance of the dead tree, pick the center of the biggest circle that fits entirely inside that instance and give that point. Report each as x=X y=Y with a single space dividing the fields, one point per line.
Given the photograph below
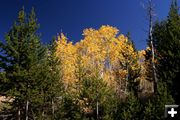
x=150 y=13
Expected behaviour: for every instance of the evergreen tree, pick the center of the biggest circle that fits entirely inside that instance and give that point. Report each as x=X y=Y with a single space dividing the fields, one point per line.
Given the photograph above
x=154 y=108
x=167 y=42
x=130 y=110
x=128 y=35
x=133 y=76
x=96 y=98
x=54 y=86
x=167 y=38
x=21 y=56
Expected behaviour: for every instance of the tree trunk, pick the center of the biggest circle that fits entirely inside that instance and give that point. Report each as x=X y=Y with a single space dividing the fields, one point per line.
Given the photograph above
x=127 y=78
x=27 y=105
x=19 y=114
x=150 y=11
x=52 y=102
x=43 y=114
x=97 y=109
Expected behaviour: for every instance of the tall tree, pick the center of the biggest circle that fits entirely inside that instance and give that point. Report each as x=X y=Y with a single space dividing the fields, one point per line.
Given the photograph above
x=54 y=86
x=22 y=53
x=150 y=54
x=167 y=38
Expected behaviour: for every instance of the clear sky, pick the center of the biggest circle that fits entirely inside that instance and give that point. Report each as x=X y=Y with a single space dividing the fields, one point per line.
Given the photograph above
x=72 y=16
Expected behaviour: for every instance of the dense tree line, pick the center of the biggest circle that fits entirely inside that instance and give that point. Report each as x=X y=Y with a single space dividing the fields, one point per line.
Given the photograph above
x=101 y=77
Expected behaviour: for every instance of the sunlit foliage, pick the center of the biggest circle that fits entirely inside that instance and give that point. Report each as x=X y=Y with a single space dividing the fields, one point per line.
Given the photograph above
x=103 y=51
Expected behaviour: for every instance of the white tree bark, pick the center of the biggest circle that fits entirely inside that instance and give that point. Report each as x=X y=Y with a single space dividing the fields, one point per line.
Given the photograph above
x=150 y=13
x=52 y=108
x=27 y=107
x=19 y=114
x=97 y=109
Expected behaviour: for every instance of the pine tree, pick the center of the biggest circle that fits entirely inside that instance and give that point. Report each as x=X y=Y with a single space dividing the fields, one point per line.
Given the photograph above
x=54 y=82
x=130 y=110
x=131 y=107
x=167 y=37
x=128 y=35
x=133 y=76
x=95 y=98
x=22 y=53
x=154 y=108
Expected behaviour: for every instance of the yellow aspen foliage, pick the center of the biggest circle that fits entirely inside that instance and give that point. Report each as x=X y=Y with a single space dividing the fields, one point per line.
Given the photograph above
x=66 y=52
x=141 y=54
x=102 y=51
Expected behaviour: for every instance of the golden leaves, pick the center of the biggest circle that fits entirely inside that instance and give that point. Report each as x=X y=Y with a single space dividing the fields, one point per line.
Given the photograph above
x=66 y=52
x=100 y=50
x=108 y=32
x=141 y=54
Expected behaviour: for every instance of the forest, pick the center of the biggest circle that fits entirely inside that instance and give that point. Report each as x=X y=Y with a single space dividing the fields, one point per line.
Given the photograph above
x=101 y=77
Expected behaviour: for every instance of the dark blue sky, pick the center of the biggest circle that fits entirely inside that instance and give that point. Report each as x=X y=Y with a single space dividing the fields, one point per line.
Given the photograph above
x=72 y=16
